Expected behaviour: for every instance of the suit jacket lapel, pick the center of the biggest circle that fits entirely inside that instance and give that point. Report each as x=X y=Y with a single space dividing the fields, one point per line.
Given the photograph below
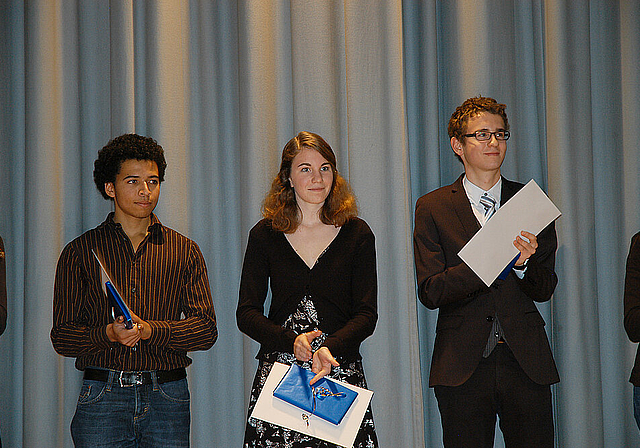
x=509 y=188
x=460 y=204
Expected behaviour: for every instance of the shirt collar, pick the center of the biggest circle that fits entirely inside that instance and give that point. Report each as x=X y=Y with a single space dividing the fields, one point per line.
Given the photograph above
x=155 y=225
x=474 y=192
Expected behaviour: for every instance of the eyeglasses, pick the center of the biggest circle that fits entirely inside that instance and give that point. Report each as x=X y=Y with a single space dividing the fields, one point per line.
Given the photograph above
x=483 y=136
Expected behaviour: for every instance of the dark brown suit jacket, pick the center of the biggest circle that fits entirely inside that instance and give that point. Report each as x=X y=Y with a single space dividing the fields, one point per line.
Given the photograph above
x=3 y=289
x=444 y=223
x=632 y=302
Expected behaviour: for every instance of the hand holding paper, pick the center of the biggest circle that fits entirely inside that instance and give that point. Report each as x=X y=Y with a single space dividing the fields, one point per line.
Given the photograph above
x=526 y=243
x=492 y=248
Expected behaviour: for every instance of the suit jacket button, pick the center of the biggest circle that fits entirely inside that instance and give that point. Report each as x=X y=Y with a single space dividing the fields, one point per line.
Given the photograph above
x=489 y=318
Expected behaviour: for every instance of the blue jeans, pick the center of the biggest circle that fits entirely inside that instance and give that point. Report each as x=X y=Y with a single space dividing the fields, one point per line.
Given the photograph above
x=636 y=404
x=152 y=415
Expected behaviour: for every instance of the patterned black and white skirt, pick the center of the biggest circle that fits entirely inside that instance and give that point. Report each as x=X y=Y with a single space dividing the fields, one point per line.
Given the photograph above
x=259 y=434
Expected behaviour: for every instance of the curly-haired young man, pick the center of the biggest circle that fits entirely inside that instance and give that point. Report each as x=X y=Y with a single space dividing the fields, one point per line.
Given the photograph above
x=135 y=387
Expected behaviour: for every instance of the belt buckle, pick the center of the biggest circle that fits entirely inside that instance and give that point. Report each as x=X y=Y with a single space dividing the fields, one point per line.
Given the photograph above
x=128 y=379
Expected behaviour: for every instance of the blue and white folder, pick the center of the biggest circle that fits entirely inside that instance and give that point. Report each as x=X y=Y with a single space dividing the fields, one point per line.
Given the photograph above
x=118 y=307
x=278 y=412
x=326 y=398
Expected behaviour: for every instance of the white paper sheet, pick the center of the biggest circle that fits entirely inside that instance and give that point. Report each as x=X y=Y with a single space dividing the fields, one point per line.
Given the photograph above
x=491 y=249
x=281 y=413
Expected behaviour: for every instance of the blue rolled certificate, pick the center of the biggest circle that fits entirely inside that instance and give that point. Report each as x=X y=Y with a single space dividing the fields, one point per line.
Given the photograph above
x=326 y=398
x=119 y=307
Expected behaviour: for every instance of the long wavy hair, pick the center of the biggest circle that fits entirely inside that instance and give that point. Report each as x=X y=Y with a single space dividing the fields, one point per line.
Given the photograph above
x=280 y=206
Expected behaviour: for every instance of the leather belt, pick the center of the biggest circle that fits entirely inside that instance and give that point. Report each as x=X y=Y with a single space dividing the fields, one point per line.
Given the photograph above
x=128 y=379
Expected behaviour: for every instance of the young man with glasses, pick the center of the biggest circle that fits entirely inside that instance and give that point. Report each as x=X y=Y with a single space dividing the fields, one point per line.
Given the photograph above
x=491 y=355
x=135 y=389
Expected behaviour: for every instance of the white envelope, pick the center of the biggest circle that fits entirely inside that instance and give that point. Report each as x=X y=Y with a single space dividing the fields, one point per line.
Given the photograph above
x=281 y=413
x=491 y=249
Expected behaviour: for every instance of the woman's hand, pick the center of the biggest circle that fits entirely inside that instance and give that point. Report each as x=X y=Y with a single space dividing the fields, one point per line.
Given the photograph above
x=302 y=345
x=322 y=362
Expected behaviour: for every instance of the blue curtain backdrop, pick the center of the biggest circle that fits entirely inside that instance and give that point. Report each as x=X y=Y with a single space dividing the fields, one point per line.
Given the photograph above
x=222 y=85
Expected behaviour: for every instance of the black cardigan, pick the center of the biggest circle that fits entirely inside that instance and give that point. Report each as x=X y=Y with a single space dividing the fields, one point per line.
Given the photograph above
x=342 y=285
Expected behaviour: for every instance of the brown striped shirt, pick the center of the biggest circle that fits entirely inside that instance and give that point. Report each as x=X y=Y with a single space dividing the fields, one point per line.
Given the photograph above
x=164 y=282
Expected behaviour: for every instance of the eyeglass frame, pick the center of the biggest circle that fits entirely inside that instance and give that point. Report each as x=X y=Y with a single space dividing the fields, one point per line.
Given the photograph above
x=506 y=133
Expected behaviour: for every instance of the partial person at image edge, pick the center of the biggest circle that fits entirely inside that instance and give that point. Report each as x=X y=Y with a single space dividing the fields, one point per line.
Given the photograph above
x=632 y=316
x=3 y=288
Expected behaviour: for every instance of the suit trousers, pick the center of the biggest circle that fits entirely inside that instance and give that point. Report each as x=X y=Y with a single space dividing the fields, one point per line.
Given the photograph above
x=498 y=387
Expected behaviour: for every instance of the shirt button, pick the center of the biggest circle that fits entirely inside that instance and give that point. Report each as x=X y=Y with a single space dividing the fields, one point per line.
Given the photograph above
x=133 y=290
x=489 y=318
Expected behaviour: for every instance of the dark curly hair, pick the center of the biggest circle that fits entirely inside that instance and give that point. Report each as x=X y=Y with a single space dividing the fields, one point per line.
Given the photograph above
x=122 y=148
x=472 y=108
x=280 y=205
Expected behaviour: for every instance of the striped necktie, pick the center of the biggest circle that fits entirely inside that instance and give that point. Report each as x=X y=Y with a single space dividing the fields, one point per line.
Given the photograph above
x=489 y=205
x=496 y=334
